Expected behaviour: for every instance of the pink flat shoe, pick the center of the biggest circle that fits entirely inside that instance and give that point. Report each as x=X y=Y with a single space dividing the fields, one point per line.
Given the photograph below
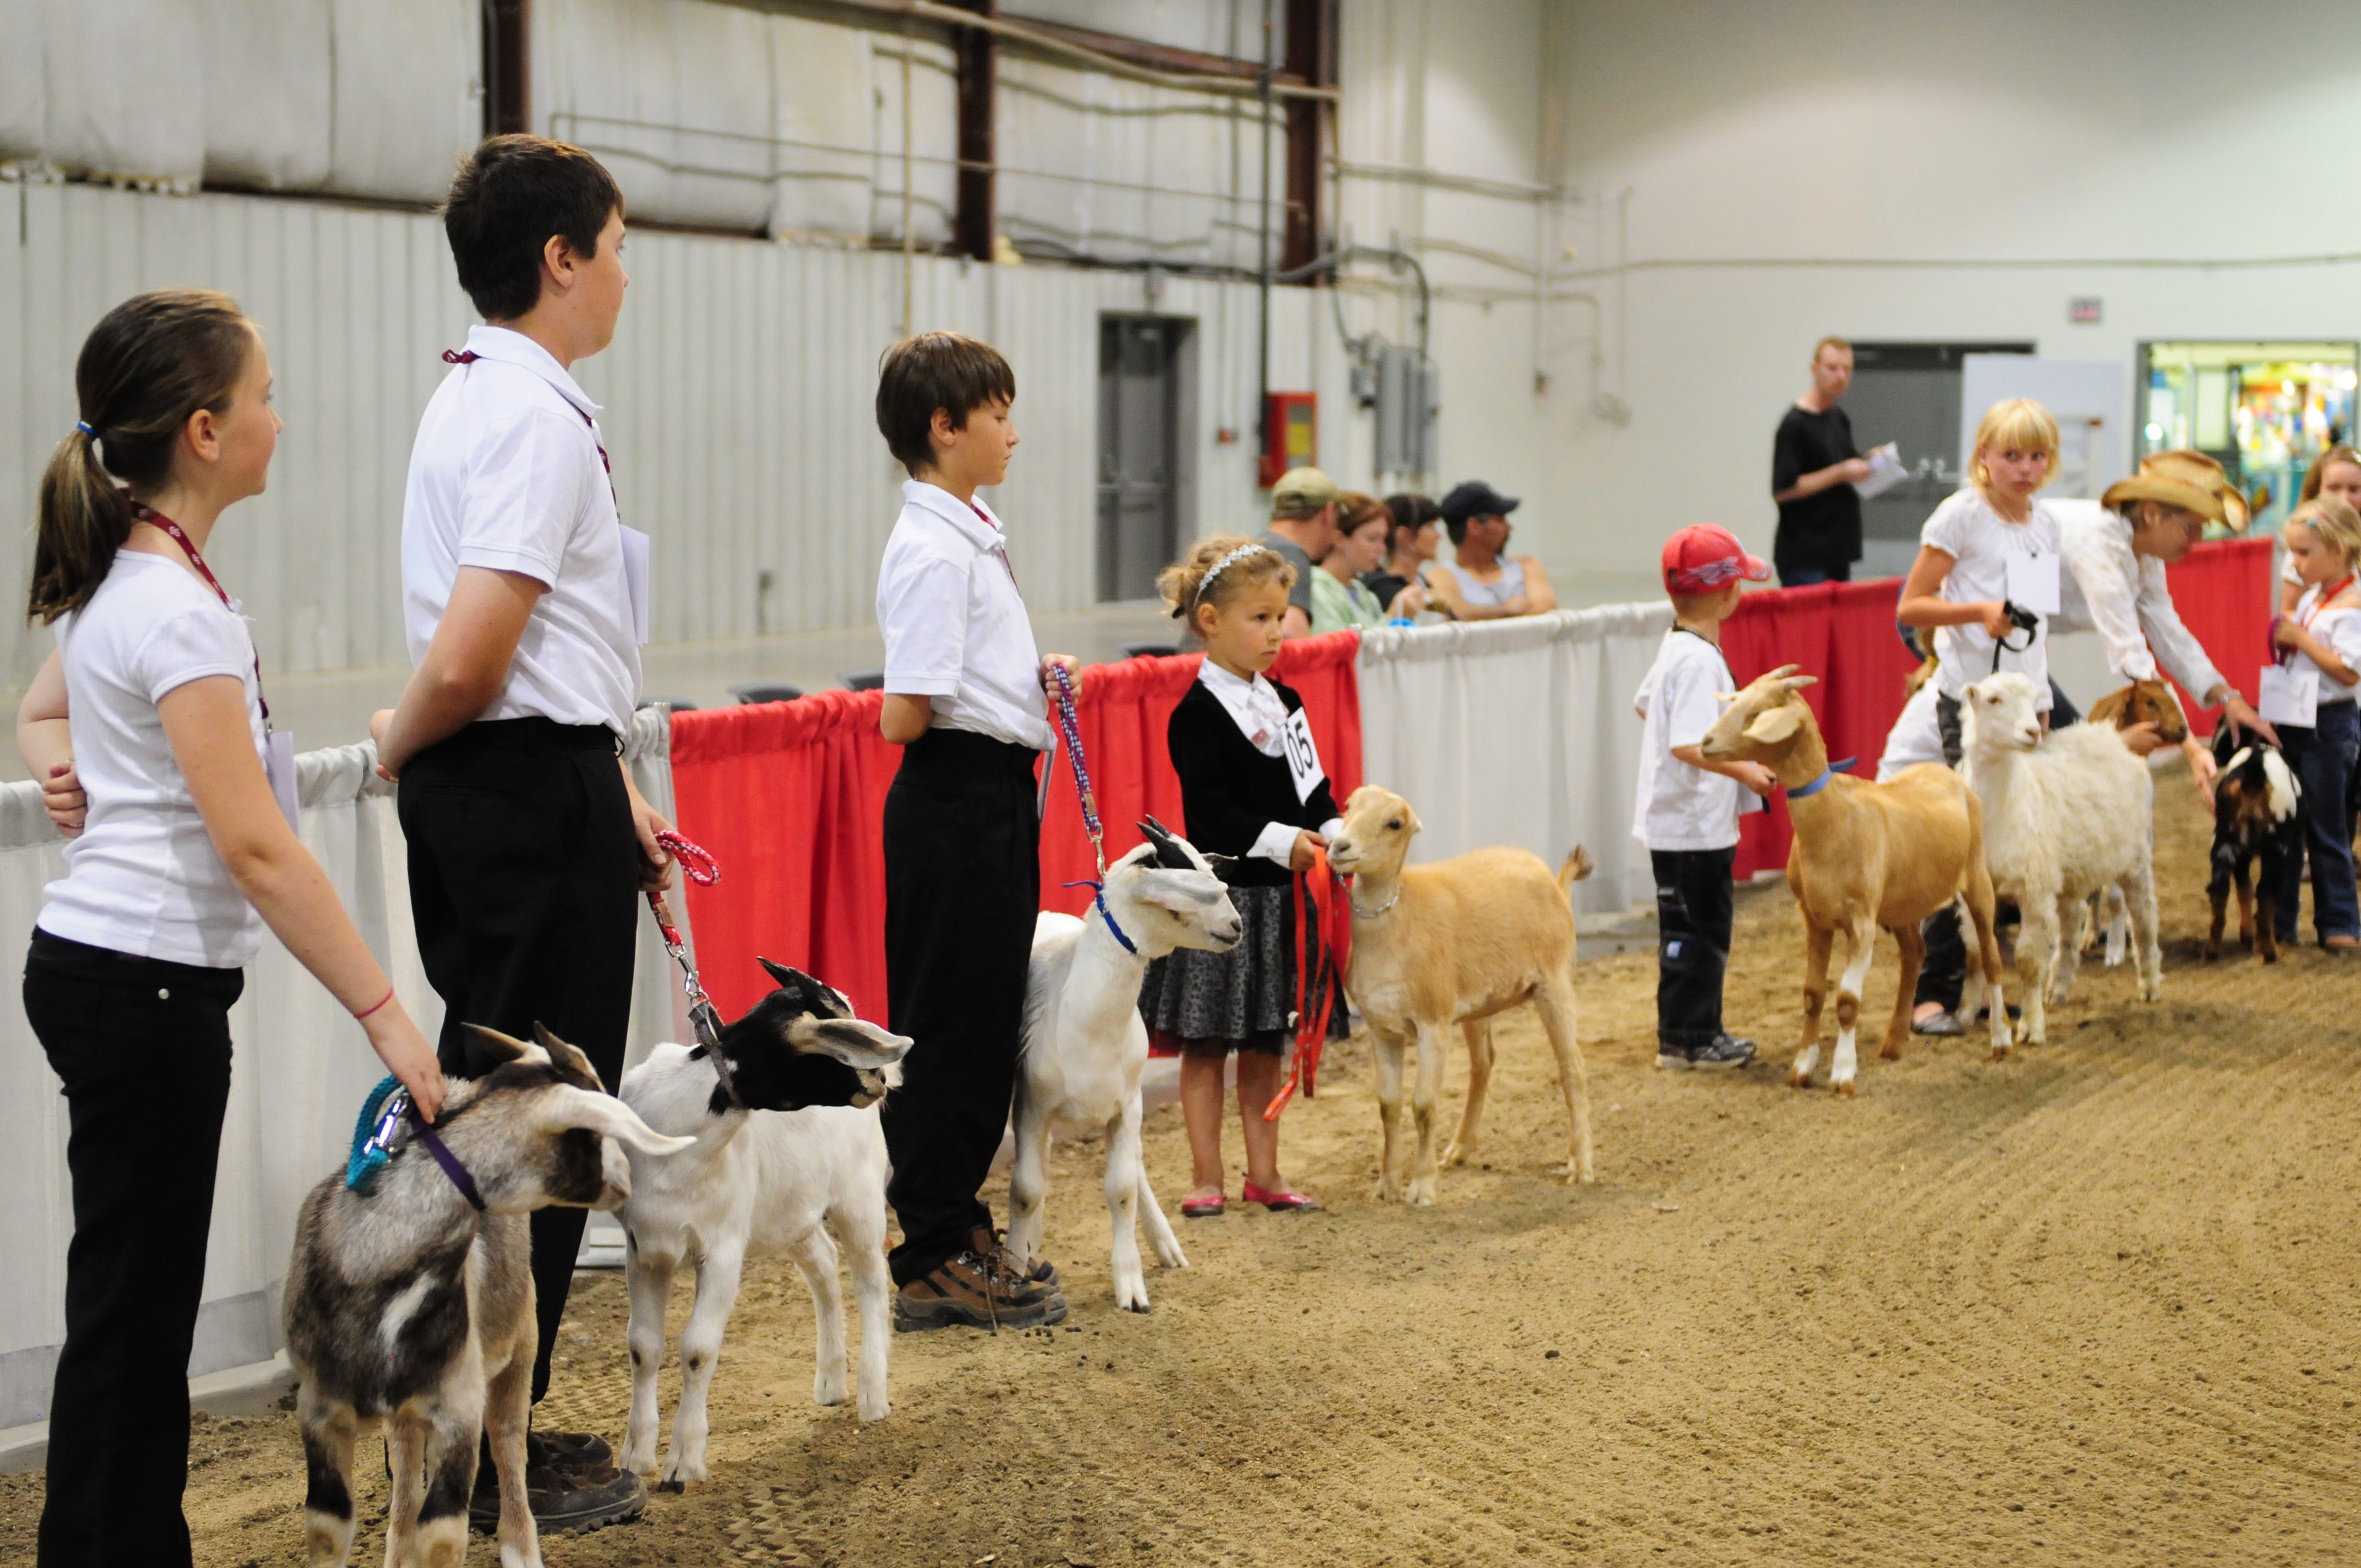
x=1194 y=1208
x=1289 y=1202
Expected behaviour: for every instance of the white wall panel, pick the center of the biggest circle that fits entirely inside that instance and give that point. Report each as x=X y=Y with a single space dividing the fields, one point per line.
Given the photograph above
x=23 y=99
x=934 y=136
x=824 y=106
x=269 y=99
x=1232 y=27
x=739 y=395
x=125 y=100
x=409 y=95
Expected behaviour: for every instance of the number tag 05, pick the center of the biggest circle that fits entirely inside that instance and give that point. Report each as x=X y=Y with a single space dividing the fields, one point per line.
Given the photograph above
x=1302 y=756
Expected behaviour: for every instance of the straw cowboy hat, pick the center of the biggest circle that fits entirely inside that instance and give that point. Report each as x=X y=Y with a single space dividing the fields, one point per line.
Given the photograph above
x=2189 y=480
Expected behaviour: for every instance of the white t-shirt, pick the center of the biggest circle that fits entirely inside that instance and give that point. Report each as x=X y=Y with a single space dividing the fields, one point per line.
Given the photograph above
x=2341 y=630
x=506 y=475
x=2126 y=598
x=1678 y=807
x=956 y=631
x=1980 y=542
x=143 y=877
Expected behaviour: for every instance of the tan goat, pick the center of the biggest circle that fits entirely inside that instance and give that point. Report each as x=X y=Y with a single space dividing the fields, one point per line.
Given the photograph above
x=1865 y=855
x=1451 y=943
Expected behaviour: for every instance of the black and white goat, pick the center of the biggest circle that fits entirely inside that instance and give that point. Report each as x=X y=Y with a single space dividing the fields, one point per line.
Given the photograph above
x=2257 y=815
x=1085 y=1045
x=788 y=1149
x=411 y=1305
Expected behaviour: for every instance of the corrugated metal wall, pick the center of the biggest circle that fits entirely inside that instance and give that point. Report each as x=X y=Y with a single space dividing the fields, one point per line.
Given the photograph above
x=739 y=402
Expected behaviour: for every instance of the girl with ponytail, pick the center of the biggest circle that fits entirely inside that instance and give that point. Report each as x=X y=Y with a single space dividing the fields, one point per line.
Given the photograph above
x=148 y=731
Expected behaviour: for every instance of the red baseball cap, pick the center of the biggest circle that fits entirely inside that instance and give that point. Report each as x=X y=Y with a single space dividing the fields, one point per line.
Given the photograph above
x=1703 y=555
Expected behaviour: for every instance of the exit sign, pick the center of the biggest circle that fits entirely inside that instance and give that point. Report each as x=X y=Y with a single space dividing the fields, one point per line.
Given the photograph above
x=2083 y=309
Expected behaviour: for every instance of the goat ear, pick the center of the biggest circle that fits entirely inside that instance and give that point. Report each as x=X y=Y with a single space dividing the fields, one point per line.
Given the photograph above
x=1774 y=724
x=791 y=978
x=569 y=1062
x=563 y=1108
x=1169 y=852
x=1798 y=683
x=508 y=1046
x=855 y=1042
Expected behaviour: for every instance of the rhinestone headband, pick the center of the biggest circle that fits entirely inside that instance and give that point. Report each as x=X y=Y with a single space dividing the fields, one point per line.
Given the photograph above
x=1223 y=565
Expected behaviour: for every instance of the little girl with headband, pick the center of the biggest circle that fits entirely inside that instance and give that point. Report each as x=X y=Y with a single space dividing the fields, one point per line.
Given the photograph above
x=1252 y=789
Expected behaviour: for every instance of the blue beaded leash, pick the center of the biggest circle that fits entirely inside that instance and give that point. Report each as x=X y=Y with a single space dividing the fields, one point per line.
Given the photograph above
x=1091 y=824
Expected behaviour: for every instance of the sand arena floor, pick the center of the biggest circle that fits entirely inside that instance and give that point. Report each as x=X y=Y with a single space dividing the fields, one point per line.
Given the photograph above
x=2096 y=1304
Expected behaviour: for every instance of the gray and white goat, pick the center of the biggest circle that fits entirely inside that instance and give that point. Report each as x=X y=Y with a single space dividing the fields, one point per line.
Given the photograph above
x=796 y=1149
x=411 y=1305
x=1085 y=1045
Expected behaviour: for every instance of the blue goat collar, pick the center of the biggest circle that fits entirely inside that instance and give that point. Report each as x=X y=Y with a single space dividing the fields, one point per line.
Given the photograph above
x=1098 y=896
x=1799 y=791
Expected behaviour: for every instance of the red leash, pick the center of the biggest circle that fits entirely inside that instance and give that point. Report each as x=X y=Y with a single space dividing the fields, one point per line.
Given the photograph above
x=1320 y=944
x=700 y=868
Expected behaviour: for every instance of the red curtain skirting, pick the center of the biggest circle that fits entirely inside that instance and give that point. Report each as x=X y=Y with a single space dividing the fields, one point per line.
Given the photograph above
x=1844 y=633
x=790 y=798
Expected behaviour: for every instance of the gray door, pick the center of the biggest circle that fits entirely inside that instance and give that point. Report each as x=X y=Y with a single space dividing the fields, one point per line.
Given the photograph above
x=1139 y=480
x=1909 y=393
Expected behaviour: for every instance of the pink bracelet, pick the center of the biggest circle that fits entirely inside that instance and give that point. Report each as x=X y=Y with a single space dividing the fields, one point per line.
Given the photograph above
x=375 y=1005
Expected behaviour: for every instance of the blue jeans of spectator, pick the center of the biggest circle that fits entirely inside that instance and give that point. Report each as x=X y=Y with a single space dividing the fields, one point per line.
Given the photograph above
x=2322 y=757
x=1804 y=576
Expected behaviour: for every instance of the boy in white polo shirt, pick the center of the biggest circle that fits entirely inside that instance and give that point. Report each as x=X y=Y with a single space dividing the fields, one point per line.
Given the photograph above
x=1687 y=806
x=965 y=695
x=524 y=599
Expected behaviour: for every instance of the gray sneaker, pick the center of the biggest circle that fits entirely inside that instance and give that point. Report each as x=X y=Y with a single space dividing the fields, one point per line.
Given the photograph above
x=1725 y=1052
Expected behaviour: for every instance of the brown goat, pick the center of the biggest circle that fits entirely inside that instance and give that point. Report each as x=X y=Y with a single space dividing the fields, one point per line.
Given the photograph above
x=2143 y=702
x=1865 y=855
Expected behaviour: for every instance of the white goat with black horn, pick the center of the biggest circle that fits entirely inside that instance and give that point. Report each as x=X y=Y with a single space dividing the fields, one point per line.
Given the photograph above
x=787 y=1146
x=410 y=1303
x=1085 y=1045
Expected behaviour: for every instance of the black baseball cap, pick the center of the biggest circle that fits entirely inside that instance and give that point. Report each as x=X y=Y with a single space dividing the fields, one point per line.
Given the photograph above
x=1476 y=498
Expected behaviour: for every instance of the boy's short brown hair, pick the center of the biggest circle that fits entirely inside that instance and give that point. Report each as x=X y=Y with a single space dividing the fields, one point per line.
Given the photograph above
x=947 y=371
x=509 y=197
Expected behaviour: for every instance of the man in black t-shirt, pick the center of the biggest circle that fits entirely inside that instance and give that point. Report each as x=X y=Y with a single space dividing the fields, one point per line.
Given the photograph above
x=1813 y=467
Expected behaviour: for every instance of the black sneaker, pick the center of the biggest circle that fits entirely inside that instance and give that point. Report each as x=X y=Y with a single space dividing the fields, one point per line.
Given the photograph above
x=1672 y=1058
x=1725 y=1052
x=561 y=1501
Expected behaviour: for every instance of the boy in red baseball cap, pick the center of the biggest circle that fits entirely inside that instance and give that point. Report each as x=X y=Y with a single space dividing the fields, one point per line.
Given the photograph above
x=1686 y=807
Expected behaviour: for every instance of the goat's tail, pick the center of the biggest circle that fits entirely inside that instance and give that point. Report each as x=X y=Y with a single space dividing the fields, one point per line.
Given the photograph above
x=1576 y=867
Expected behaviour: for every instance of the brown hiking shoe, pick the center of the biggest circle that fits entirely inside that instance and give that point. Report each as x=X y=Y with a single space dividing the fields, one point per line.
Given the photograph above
x=979 y=1289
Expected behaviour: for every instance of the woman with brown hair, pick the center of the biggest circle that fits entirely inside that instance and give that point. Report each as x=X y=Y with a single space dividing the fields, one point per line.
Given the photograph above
x=148 y=731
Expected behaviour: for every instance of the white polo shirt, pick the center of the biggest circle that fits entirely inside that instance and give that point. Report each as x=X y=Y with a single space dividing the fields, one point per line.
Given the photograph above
x=2126 y=598
x=956 y=631
x=506 y=473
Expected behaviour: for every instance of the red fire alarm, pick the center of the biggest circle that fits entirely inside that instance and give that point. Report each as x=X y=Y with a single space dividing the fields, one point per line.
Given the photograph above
x=1291 y=434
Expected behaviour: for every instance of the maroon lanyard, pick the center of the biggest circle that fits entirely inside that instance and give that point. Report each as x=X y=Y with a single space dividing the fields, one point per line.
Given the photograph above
x=1002 y=532
x=179 y=536
x=468 y=356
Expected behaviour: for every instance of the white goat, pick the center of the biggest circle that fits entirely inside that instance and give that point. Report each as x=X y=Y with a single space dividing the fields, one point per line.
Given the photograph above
x=2065 y=816
x=789 y=1147
x=1085 y=1045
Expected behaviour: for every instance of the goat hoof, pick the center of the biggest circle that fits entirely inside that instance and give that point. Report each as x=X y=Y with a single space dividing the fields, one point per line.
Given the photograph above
x=1890 y=1052
x=1844 y=1089
x=1453 y=1157
x=1139 y=1307
x=672 y=1484
x=1799 y=1080
x=2000 y=1053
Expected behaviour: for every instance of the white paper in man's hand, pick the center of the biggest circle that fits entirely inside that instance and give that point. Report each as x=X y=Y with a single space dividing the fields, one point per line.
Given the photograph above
x=1885 y=471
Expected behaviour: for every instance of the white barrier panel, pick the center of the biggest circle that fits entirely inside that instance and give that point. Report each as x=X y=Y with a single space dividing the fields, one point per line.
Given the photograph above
x=1517 y=732
x=300 y=1069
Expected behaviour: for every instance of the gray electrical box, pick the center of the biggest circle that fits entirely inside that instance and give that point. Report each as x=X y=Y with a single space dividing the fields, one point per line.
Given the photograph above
x=1408 y=395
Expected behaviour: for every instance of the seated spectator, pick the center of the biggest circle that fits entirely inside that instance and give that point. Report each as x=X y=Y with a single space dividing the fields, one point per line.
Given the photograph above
x=1339 y=597
x=1483 y=582
x=1302 y=529
x=1411 y=542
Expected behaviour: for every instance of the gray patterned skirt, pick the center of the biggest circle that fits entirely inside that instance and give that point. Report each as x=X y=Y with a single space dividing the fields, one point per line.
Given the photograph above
x=1207 y=1004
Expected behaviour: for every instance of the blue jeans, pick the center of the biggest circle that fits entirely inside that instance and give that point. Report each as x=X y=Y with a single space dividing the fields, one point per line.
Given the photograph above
x=2322 y=757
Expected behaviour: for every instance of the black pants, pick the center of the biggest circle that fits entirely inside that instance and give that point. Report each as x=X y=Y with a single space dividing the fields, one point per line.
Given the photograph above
x=142 y=1046
x=963 y=886
x=524 y=875
x=1693 y=916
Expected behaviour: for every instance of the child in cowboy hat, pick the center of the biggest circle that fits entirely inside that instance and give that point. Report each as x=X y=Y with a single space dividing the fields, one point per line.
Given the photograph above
x=1688 y=807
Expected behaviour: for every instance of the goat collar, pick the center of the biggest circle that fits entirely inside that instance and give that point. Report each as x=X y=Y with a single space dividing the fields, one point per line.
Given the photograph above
x=1098 y=896
x=707 y=1024
x=1797 y=792
x=1380 y=909
x=435 y=1147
